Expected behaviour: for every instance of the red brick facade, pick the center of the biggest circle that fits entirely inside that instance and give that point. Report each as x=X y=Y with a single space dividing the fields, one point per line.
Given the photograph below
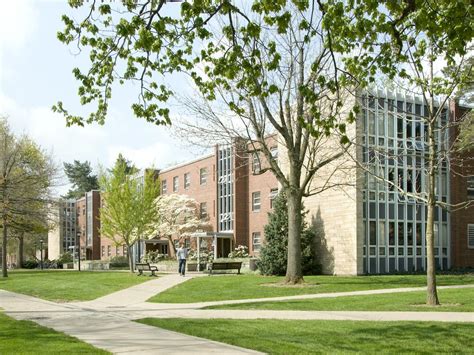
x=462 y=256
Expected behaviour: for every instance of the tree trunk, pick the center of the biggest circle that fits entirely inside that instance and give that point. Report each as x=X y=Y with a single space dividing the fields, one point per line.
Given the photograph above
x=431 y=293
x=4 y=248
x=130 y=258
x=294 y=271
x=21 y=242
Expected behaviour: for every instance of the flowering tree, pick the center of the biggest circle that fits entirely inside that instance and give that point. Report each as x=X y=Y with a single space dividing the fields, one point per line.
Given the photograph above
x=178 y=216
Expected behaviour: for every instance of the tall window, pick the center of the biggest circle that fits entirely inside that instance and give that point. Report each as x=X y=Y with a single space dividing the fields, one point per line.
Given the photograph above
x=203 y=176
x=470 y=187
x=103 y=250
x=175 y=184
x=203 y=210
x=109 y=250
x=125 y=250
x=164 y=187
x=470 y=236
x=274 y=153
x=255 y=163
x=187 y=181
x=273 y=195
x=256 y=241
x=256 y=201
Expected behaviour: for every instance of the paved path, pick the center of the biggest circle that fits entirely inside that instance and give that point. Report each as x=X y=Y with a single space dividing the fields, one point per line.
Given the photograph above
x=106 y=321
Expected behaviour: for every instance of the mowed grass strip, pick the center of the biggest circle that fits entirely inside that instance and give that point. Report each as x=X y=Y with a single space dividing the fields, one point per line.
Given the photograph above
x=26 y=337
x=66 y=286
x=454 y=300
x=234 y=287
x=310 y=337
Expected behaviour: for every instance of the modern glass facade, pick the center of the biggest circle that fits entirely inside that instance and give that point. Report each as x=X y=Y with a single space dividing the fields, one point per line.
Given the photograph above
x=394 y=151
x=225 y=189
x=68 y=221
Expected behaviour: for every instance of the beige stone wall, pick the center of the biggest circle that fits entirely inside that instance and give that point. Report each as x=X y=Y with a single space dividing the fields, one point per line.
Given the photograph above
x=335 y=210
x=55 y=243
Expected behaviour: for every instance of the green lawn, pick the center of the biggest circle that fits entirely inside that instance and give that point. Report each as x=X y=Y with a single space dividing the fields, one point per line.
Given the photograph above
x=217 y=288
x=25 y=337
x=309 y=337
x=64 y=286
x=456 y=300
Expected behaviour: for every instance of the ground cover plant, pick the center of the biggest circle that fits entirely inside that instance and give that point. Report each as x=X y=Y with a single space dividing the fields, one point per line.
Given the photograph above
x=64 y=286
x=309 y=337
x=232 y=287
x=452 y=300
x=26 y=337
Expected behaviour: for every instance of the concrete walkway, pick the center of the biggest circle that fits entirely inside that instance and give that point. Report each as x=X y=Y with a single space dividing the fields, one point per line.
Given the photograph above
x=107 y=321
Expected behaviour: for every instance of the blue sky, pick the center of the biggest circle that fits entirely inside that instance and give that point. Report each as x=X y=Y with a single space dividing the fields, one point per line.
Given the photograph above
x=35 y=72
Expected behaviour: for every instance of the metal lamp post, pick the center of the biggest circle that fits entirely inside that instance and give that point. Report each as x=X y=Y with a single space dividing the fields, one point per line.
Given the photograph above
x=41 y=254
x=78 y=244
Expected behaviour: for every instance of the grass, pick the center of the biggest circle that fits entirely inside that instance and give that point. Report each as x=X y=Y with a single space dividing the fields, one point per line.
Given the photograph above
x=66 y=286
x=309 y=337
x=455 y=300
x=25 y=337
x=232 y=287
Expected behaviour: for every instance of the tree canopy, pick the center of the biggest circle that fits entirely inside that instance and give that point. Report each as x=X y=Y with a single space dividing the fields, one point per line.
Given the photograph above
x=81 y=177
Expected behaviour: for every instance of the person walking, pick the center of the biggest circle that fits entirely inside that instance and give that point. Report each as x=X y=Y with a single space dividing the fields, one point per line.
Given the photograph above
x=181 y=255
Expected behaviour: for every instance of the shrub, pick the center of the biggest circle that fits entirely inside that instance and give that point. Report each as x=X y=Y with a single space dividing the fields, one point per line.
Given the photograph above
x=274 y=252
x=240 y=252
x=153 y=257
x=64 y=259
x=118 y=261
x=30 y=264
x=205 y=256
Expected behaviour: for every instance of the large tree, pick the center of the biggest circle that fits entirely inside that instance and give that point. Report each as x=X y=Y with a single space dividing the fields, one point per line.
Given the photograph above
x=81 y=177
x=268 y=63
x=128 y=208
x=26 y=175
x=406 y=41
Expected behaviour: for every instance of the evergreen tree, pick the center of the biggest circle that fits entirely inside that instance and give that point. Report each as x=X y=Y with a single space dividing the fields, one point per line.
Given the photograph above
x=81 y=177
x=274 y=252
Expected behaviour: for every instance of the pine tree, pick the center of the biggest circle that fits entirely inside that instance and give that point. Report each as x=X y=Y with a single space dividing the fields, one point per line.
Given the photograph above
x=274 y=252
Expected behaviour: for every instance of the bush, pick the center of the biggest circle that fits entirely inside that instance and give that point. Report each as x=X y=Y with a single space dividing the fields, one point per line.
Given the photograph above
x=64 y=259
x=153 y=257
x=205 y=256
x=240 y=252
x=118 y=261
x=30 y=264
x=274 y=252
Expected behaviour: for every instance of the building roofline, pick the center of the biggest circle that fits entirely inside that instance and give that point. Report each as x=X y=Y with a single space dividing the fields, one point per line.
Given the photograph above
x=186 y=163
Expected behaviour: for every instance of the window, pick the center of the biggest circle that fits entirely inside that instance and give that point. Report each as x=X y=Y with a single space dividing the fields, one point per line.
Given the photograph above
x=117 y=250
x=470 y=236
x=164 y=187
x=273 y=195
x=109 y=250
x=203 y=176
x=256 y=241
x=187 y=181
x=274 y=153
x=125 y=250
x=175 y=184
x=255 y=163
x=470 y=187
x=203 y=210
x=256 y=201
x=103 y=250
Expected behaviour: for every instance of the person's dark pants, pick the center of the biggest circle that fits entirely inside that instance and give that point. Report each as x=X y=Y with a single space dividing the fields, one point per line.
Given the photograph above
x=182 y=266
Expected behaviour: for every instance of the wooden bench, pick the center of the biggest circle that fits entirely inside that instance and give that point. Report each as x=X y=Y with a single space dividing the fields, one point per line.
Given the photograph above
x=146 y=267
x=222 y=265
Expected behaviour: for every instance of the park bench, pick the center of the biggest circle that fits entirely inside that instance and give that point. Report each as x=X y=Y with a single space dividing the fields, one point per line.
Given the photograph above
x=146 y=267
x=222 y=265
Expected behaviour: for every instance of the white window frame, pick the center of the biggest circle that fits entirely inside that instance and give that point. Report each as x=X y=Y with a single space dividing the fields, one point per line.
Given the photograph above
x=203 y=176
x=470 y=236
x=175 y=183
x=470 y=187
x=256 y=201
x=274 y=153
x=164 y=187
x=256 y=236
x=273 y=195
x=203 y=210
x=256 y=163
x=187 y=180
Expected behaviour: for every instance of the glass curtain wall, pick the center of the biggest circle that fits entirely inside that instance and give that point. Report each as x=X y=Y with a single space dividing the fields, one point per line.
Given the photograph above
x=394 y=152
x=225 y=188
